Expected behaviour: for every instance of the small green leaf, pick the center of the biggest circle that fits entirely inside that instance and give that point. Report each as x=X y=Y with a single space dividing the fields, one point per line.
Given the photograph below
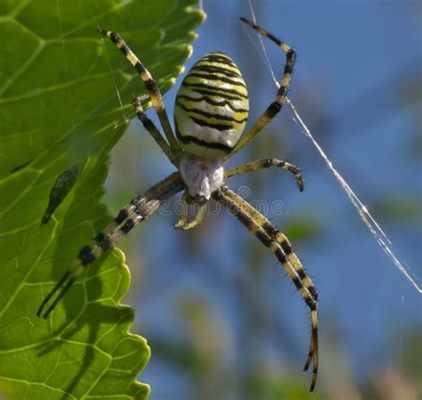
x=65 y=96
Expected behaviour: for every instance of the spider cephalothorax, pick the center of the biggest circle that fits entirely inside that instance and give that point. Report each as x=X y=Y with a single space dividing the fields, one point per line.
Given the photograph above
x=201 y=177
x=211 y=111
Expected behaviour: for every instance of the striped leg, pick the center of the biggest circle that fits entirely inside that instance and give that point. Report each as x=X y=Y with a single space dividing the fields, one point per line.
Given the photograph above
x=154 y=132
x=266 y=163
x=139 y=209
x=278 y=243
x=150 y=85
x=274 y=108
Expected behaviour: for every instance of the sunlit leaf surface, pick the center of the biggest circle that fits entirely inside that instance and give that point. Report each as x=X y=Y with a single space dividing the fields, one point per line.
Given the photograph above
x=65 y=94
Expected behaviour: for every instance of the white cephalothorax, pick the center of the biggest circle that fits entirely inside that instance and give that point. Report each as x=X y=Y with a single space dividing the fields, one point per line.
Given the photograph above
x=202 y=177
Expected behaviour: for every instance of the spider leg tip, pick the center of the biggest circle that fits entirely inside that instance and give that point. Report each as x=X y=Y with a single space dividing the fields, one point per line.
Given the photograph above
x=40 y=309
x=46 y=314
x=40 y=312
x=313 y=382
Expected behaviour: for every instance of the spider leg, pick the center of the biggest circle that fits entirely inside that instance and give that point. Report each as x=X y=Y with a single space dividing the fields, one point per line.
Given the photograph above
x=139 y=209
x=154 y=132
x=274 y=108
x=150 y=85
x=278 y=243
x=266 y=163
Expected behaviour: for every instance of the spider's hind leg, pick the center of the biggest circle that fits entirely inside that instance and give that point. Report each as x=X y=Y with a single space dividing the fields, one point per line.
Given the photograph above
x=139 y=209
x=261 y=227
x=104 y=240
x=306 y=288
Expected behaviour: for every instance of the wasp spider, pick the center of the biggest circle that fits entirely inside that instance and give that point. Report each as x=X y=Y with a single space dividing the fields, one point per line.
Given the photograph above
x=210 y=114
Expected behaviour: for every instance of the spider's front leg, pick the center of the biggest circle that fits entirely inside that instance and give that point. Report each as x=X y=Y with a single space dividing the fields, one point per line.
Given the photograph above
x=153 y=93
x=261 y=227
x=274 y=108
x=139 y=209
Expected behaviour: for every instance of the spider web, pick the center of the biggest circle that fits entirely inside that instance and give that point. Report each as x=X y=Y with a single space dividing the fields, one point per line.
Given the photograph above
x=378 y=233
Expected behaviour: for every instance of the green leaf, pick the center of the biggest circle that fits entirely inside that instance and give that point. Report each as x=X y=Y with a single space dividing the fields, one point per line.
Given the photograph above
x=65 y=94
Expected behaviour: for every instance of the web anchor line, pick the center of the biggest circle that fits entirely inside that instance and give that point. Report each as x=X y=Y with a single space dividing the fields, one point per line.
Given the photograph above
x=379 y=235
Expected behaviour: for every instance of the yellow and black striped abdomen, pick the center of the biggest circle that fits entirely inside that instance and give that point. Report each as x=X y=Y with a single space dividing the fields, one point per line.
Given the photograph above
x=211 y=107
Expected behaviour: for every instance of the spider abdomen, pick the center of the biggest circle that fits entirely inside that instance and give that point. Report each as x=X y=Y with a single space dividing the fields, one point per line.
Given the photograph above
x=211 y=107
